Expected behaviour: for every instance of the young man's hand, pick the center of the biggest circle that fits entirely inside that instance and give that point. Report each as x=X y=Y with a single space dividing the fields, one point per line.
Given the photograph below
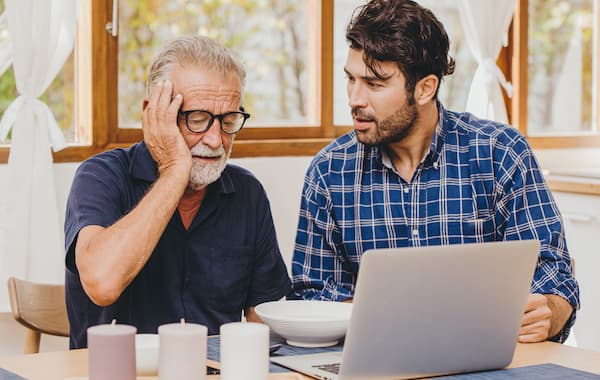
x=545 y=315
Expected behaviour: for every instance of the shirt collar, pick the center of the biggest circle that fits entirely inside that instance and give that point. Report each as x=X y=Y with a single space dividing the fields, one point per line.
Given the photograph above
x=439 y=137
x=144 y=168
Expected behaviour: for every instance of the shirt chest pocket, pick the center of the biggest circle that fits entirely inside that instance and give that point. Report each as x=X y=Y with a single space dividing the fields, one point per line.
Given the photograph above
x=477 y=230
x=230 y=276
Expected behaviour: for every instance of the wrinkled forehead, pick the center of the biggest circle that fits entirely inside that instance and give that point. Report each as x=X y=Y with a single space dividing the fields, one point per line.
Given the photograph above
x=199 y=85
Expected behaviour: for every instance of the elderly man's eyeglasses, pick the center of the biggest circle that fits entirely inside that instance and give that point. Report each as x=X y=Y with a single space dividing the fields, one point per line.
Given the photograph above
x=199 y=121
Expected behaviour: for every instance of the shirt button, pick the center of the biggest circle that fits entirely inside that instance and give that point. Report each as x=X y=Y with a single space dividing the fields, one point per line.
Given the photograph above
x=435 y=165
x=406 y=190
x=415 y=232
x=187 y=280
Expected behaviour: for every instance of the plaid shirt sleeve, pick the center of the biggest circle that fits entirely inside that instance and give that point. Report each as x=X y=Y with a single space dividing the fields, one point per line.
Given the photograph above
x=530 y=212
x=318 y=270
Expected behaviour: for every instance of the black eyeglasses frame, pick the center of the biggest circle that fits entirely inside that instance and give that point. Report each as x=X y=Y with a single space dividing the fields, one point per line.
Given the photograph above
x=185 y=116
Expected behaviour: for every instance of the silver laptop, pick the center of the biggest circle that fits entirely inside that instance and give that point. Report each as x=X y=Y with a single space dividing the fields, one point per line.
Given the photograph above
x=429 y=311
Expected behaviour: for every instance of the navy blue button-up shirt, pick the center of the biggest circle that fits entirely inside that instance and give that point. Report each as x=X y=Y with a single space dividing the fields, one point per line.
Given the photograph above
x=226 y=261
x=479 y=182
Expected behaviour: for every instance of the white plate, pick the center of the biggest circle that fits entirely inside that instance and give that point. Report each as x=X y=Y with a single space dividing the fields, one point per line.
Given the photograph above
x=307 y=323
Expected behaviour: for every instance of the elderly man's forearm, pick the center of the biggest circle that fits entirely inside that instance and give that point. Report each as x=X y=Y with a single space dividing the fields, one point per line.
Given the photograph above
x=108 y=259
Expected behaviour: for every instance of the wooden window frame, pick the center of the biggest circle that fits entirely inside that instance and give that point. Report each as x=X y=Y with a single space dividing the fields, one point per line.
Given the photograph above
x=519 y=53
x=97 y=117
x=97 y=70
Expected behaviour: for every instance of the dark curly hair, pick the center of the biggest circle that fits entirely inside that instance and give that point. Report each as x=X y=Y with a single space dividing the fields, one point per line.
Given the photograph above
x=404 y=32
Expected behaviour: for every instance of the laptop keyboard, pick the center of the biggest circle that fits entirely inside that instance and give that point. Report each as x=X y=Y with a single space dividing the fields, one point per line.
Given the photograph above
x=332 y=368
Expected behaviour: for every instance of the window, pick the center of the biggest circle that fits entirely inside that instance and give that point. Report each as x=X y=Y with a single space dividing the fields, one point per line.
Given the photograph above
x=278 y=69
x=298 y=112
x=296 y=87
x=556 y=72
x=454 y=89
x=284 y=92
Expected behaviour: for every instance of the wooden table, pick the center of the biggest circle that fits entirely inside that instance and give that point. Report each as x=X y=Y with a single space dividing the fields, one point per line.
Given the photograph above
x=73 y=364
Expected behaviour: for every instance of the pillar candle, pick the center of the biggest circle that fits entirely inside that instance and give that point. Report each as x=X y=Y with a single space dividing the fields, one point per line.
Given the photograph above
x=182 y=351
x=244 y=351
x=111 y=352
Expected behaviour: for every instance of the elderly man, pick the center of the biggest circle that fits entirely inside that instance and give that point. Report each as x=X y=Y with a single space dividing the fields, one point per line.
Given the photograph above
x=413 y=173
x=166 y=229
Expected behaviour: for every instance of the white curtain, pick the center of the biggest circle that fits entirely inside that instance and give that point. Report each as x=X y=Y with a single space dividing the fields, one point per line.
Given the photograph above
x=41 y=34
x=486 y=22
x=5 y=57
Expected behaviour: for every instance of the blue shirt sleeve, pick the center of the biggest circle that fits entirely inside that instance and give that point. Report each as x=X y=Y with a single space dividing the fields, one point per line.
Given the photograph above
x=94 y=199
x=529 y=212
x=317 y=268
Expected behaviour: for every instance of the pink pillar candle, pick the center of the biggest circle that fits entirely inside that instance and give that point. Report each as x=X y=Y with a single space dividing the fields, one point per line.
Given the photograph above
x=111 y=350
x=182 y=351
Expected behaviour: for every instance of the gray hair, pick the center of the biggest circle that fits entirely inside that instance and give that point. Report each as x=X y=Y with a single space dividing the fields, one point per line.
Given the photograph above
x=196 y=50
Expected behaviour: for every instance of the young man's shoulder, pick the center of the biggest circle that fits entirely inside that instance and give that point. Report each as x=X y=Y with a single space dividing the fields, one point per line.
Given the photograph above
x=482 y=130
x=343 y=148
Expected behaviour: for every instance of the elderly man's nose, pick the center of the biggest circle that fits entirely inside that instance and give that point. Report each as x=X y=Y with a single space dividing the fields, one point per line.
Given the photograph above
x=212 y=137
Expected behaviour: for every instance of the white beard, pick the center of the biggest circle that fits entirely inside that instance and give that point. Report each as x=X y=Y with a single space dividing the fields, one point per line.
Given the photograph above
x=203 y=174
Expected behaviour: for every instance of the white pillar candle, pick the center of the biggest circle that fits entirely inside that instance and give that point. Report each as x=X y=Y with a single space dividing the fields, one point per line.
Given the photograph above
x=244 y=351
x=182 y=351
x=111 y=352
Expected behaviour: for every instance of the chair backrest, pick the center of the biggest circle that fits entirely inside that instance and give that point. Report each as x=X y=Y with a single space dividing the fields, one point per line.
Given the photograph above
x=41 y=308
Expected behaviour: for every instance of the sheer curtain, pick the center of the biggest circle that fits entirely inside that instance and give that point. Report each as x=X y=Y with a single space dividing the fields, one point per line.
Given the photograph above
x=5 y=57
x=486 y=22
x=41 y=34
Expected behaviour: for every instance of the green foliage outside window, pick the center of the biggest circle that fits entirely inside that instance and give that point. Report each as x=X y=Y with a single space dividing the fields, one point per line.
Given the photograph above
x=269 y=36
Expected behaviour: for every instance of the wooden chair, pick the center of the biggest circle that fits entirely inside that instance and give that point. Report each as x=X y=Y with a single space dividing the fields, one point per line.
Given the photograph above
x=41 y=308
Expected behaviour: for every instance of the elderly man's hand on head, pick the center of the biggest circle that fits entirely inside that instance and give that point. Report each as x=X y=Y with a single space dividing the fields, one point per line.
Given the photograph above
x=161 y=134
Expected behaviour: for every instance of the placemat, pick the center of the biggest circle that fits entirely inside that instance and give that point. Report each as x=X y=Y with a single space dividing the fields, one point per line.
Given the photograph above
x=214 y=342
x=533 y=372
x=7 y=375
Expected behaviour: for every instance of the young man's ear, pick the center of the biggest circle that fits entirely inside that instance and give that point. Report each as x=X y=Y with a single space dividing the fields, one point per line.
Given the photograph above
x=426 y=88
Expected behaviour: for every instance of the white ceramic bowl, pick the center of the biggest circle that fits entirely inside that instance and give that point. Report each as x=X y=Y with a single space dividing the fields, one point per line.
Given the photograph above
x=146 y=354
x=307 y=323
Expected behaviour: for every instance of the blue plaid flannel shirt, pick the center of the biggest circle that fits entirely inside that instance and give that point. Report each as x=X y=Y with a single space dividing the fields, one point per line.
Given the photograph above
x=479 y=182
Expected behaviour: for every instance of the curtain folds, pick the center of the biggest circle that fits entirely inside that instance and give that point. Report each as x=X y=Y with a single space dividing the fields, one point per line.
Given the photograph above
x=41 y=34
x=486 y=22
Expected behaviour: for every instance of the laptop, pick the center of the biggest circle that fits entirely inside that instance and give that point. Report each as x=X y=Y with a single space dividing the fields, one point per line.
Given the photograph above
x=428 y=311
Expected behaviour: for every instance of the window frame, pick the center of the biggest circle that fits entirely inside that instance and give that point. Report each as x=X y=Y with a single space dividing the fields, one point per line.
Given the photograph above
x=97 y=116
x=519 y=53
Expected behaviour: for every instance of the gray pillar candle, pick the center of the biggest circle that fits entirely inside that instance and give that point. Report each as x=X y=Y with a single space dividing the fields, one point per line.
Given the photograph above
x=111 y=350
